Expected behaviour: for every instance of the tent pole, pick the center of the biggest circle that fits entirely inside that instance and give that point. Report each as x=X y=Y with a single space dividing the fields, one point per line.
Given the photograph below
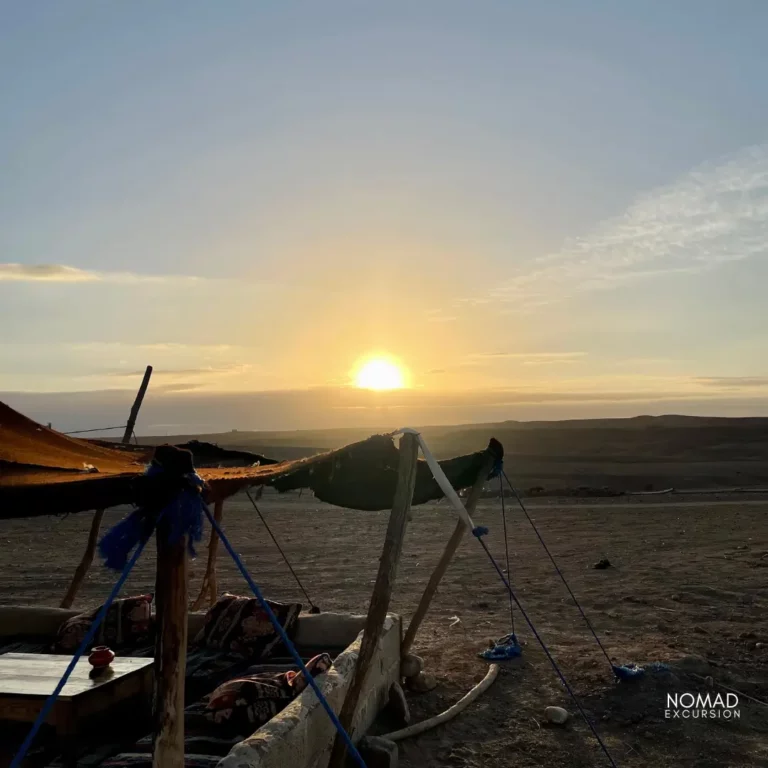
x=209 y=588
x=170 y=648
x=136 y=405
x=85 y=563
x=447 y=556
x=382 y=590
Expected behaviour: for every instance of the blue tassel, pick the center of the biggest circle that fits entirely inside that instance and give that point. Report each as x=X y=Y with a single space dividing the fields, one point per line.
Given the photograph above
x=119 y=541
x=498 y=465
x=479 y=531
x=185 y=514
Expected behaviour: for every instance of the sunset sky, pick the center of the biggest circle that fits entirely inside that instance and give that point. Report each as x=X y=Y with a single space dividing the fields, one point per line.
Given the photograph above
x=536 y=210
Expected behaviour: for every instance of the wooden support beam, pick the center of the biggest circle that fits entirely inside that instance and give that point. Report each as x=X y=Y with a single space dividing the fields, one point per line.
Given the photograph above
x=209 y=589
x=447 y=556
x=170 y=649
x=85 y=562
x=382 y=590
x=93 y=536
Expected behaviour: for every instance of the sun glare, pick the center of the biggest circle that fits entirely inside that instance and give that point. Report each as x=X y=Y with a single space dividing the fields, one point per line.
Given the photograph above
x=380 y=374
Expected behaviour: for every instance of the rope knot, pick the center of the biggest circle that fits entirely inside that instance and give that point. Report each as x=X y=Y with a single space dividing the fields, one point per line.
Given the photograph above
x=174 y=491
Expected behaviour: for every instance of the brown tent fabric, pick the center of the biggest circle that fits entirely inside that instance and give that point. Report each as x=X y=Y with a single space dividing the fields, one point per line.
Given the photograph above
x=26 y=445
x=43 y=472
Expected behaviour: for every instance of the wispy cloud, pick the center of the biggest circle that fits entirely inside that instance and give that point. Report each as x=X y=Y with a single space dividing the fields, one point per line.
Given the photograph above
x=437 y=316
x=733 y=382
x=715 y=214
x=196 y=349
x=526 y=358
x=183 y=373
x=61 y=273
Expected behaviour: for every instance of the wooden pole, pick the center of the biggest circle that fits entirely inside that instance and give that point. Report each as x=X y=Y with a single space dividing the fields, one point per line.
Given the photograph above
x=137 y=405
x=382 y=590
x=447 y=556
x=209 y=588
x=85 y=562
x=170 y=649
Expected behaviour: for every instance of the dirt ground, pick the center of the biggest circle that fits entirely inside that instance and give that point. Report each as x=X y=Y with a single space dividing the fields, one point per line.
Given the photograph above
x=687 y=586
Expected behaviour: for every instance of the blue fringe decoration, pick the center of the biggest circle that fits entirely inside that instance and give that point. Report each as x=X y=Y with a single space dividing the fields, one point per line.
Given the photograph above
x=506 y=647
x=498 y=465
x=185 y=514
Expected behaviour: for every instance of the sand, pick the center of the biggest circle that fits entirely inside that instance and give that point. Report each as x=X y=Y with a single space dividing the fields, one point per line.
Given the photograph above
x=688 y=586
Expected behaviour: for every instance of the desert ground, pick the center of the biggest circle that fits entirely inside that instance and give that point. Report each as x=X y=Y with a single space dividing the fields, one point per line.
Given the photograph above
x=687 y=586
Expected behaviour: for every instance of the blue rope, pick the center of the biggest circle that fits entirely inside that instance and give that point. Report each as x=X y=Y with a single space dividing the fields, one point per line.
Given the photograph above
x=51 y=700
x=506 y=549
x=479 y=532
x=351 y=749
x=560 y=574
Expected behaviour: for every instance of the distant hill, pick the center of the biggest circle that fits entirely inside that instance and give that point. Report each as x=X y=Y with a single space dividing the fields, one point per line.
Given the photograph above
x=627 y=454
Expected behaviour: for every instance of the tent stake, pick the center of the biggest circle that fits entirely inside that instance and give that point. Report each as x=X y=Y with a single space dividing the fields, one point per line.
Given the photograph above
x=447 y=556
x=170 y=649
x=382 y=590
x=209 y=588
x=85 y=563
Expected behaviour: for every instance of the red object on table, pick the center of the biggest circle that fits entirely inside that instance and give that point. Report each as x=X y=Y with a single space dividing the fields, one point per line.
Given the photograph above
x=101 y=656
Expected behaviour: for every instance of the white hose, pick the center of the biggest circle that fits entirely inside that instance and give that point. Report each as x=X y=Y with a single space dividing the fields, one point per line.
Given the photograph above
x=450 y=713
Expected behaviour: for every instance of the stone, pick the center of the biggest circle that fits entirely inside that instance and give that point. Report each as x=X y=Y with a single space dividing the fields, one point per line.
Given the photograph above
x=378 y=752
x=759 y=645
x=556 y=715
x=422 y=683
x=601 y=565
x=710 y=681
x=411 y=665
x=398 y=706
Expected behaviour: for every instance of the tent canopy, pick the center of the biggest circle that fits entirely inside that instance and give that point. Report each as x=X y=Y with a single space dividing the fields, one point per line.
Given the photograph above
x=43 y=472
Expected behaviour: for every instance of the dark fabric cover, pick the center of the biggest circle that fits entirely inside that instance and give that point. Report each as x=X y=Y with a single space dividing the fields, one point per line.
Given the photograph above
x=246 y=703
x=43 y=472
x=127 y=625
x=231 y=713
x=209 y=667
x=240 y=625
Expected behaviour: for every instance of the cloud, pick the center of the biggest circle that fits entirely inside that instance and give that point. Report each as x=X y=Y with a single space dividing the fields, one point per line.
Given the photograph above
x=61 y=273
x=717 y=213
x=114 y=346
x=526 y=358
x=437 y=316
x=185 y=372
x=733 y=382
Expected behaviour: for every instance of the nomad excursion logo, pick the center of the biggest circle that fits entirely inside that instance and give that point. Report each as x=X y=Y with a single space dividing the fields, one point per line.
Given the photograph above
x=702 y=706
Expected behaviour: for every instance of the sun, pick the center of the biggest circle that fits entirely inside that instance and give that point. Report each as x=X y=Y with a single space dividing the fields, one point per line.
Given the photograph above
x=379 y=374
